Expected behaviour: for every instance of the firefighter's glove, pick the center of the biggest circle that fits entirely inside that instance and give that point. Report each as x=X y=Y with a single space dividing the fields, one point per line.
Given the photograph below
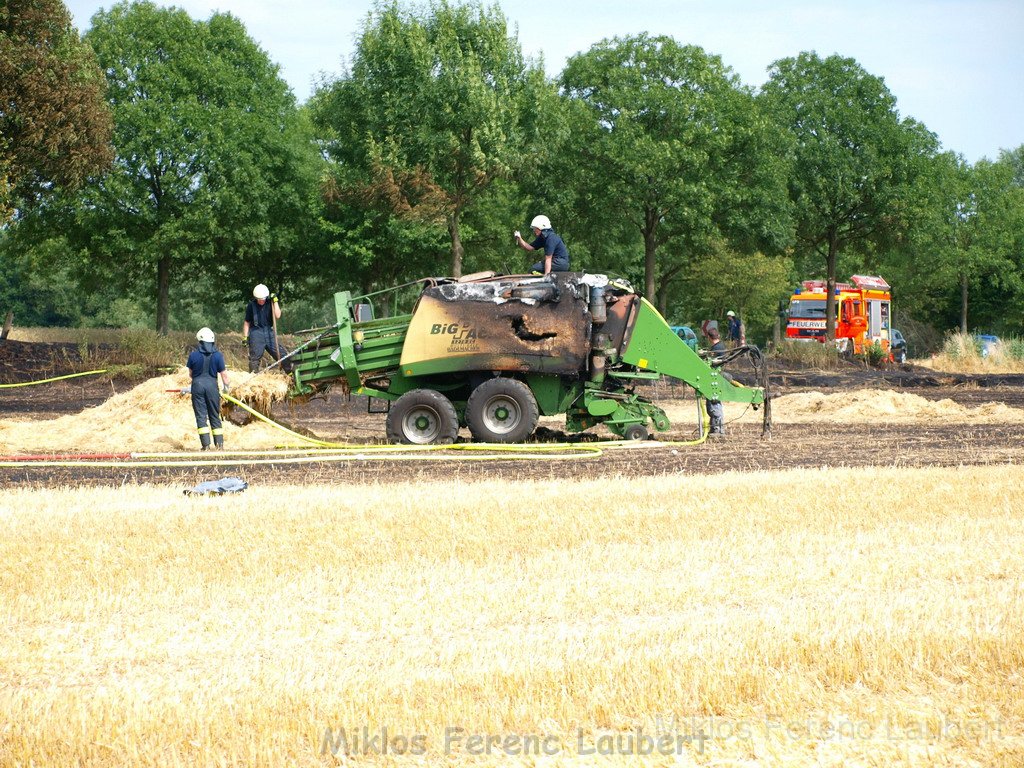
x=273 y=297
x=227 y=387
x=517 y=235
x=245 y=341
x=186 y=391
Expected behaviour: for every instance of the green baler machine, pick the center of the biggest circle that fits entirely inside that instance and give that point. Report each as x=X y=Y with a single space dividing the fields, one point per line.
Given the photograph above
x=495 y=352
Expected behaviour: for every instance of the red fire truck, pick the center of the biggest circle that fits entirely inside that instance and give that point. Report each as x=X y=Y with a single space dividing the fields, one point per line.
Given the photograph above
x=862 y=310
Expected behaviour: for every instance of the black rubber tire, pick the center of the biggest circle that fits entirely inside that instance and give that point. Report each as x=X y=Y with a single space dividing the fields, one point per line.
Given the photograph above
x=422 y=417
x=636 y=432
x=502 y=411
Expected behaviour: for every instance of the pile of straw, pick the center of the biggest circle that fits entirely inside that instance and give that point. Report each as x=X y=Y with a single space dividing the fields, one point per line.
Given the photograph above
x=861 y=406
x=147 y=418
x=882 y=405
x=260 y=391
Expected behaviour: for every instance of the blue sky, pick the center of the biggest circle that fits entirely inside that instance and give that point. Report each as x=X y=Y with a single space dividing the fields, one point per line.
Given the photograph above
x=955 y=65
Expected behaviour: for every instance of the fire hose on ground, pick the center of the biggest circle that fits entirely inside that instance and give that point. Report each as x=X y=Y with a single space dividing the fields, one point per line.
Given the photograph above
x=55 y=378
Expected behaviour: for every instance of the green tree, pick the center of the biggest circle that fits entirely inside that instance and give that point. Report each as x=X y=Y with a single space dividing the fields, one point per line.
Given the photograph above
x=436 y=107
x=989 y=236
x=55 y=126
x=1015 y=159
x=374 y=247
x=961 y=260
x=751 y=284
x=855 y=159
x=672 y=147
x=215 y=173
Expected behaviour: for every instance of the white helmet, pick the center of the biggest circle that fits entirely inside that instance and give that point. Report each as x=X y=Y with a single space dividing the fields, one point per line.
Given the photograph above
x=261 y=291
x=540 y=222
x=730 y=313
x=205 y=334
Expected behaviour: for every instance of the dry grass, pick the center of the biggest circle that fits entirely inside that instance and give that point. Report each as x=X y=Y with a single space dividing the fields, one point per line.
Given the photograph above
x=883 y=626
x=132 y=352
x=962 y=354
x=97 y=336
x=808 y=353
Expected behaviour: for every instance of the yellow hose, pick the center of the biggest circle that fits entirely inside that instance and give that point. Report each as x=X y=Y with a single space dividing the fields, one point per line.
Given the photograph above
x=55 y=378
x=323 y=458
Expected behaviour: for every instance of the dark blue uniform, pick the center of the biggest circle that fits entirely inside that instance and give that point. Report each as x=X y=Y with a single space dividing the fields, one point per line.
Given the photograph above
x=552 y=244
x=735 y=330
x=261 y=332
x=205 y=363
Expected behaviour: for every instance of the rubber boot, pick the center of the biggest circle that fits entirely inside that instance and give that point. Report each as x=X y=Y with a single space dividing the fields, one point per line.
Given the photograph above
x=218 y=442
x=205 y=440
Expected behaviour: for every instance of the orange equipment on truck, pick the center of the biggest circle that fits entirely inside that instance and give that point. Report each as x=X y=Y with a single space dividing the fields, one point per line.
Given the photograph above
x=862 y=313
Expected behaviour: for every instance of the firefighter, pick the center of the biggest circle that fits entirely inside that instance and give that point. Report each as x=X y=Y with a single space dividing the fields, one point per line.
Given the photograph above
x=556 y=255
x=205 y=363
x=737 y=334
x=259 y=330
x=716 y=413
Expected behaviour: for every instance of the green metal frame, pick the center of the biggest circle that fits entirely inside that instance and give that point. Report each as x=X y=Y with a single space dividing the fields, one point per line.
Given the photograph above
x=371 y=345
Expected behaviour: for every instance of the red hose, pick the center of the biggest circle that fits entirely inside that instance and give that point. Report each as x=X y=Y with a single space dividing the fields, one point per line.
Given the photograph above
x=70 y=457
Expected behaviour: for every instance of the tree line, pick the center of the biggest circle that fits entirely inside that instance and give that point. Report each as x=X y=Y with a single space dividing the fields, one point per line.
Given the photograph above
x=154 y=169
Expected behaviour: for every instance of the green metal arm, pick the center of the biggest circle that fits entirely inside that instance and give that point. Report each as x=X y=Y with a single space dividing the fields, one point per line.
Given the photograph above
x=652 y=345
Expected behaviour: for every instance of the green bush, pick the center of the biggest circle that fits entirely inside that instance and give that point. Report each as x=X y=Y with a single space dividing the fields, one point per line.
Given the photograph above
x=961 y=346
x=1013 y=347
x=875 y=355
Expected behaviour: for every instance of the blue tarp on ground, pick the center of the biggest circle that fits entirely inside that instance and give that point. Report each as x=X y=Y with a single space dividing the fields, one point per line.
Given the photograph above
x=218 y=487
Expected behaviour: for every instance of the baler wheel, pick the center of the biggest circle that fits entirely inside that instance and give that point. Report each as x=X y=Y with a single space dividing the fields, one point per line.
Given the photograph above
x=422 y=417
x=636 y=432
x=502 y=411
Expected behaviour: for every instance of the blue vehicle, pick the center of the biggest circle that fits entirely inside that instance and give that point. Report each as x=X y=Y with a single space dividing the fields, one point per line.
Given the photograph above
x=685 y=333
x=897 y=346
x=986 y=343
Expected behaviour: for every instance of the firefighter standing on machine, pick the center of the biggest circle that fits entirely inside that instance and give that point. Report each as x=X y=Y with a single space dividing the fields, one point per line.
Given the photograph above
x=259 y=331
x=205 y=363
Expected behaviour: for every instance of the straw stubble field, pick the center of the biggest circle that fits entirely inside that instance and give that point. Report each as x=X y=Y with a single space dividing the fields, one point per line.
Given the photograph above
x=646 y=608
x=757 y=619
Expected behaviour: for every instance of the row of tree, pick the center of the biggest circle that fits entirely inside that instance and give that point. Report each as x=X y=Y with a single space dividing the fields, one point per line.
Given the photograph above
x=159 y=166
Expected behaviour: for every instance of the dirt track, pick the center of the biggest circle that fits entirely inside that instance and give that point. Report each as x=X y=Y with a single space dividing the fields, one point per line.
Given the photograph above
x=793 y=445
